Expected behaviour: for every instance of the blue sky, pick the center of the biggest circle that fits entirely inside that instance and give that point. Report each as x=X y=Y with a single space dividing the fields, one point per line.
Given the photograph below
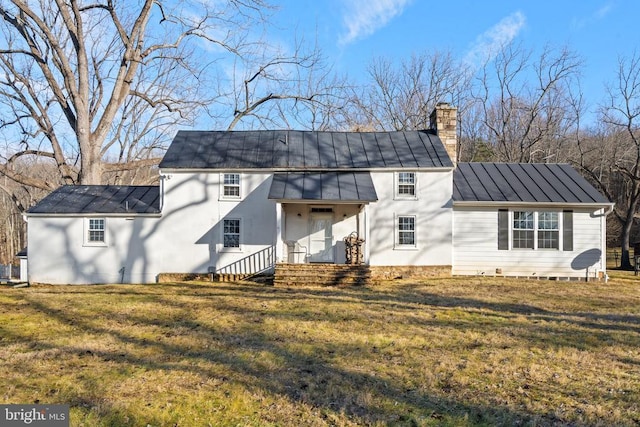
x=352 y=32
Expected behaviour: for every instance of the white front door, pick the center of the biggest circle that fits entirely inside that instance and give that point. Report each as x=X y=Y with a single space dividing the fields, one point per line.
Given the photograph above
x=320 y=237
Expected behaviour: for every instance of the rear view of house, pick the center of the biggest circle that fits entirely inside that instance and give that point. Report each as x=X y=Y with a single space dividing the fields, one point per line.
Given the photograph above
x=244 y=202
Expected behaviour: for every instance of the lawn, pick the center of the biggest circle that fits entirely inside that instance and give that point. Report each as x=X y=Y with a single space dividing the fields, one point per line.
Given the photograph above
x=459 y=351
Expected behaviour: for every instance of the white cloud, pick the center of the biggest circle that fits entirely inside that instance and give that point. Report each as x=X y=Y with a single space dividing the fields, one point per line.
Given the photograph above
x=603 y=11
x=579 y=23
x=364 y=17
x=488 y=43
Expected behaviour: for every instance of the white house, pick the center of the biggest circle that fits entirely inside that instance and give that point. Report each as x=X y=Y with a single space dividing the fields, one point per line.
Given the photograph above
x=243 y=202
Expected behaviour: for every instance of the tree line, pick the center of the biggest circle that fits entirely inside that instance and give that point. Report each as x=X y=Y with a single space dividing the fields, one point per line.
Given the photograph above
x=92 y=92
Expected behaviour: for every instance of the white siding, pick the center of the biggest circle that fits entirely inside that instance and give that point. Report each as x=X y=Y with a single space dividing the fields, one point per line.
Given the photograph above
x=192 y=221
x=475 y=247
x=187 y=238
x=433 y=212
x=57 y=253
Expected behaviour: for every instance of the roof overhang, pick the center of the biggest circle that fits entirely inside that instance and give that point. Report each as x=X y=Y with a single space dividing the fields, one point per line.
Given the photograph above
x=323 y=187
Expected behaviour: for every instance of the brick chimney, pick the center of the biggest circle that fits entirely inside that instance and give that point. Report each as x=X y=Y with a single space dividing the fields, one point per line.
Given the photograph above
x=443 y=121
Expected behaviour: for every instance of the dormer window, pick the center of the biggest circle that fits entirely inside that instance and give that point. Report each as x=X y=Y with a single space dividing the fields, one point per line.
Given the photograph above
x=406 y=185
x=231 y=186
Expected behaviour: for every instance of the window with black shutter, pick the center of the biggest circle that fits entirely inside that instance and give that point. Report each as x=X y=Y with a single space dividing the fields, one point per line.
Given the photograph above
x=567 y=230
x=503 y=230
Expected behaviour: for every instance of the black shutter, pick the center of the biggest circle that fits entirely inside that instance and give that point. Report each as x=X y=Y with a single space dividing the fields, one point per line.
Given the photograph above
x=567 y=230
x=503 y=229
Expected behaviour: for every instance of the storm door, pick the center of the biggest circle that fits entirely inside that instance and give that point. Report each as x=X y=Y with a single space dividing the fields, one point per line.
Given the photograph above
x=320 y=235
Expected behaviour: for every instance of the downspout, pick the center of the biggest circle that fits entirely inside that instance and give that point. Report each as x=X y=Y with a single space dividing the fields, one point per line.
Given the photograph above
x=25 y=218
x=162 y=178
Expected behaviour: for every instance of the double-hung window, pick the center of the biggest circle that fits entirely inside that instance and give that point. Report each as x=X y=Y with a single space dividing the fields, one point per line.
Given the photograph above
x=535 y=230
x=95 y=232
x=231 y=233
x=523 y=230
x=231 y=186
x=548 y=230
x=406 y=231
x=406 y=185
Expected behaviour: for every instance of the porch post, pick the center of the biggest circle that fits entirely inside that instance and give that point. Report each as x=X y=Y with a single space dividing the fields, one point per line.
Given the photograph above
x=279 y=227
x=367 y=241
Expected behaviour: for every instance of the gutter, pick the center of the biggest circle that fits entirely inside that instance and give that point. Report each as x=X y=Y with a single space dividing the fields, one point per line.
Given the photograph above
x=609 y=210
x=91 y=215
x=310 y=169
x=608 y=206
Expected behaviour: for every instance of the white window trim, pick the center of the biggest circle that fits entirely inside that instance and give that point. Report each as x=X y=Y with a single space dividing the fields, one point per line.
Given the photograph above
x=85 y=231
x=222 y=186
x=396 y=233
x=536 y=230
x=558 y=230
x=223 y=248
x=396 y=184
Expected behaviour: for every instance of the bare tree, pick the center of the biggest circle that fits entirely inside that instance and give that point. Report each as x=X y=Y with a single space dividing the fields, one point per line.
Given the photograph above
x=526 y=106
x=85 y=81
x=473 y=145
x=273 y=88
x=613 y=159
x=14 y=199
x=402 y=98
x=96 y=89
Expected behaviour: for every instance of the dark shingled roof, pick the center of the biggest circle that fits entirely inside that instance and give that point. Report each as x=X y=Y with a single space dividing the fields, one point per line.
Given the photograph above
x=522 y=182
x=308 y=150
x=99 y=199
x=325 y=186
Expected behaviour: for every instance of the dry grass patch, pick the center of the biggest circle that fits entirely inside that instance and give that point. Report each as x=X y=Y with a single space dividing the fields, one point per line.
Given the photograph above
x=461 y=351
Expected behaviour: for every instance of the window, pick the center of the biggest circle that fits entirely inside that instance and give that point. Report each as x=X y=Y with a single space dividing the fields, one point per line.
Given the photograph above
x=523 y=230
x=94 y=231
x=231 y=233
x=407 y=231
x=406 y=185
x=548 y=230
x=535 y=230
x=231 y=186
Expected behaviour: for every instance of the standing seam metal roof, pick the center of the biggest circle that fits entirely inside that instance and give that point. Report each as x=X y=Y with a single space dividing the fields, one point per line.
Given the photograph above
x=100 y=199
x=325 y=186
x=305 y=150
x=522 y=182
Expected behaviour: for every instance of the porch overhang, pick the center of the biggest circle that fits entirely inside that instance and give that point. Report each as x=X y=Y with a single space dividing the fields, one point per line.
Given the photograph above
x=333 y=186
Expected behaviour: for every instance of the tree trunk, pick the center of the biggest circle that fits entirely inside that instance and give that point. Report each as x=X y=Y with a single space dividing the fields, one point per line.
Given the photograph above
x=625 y=260
x=91 y=171
x=625 y=233
x=90 y=160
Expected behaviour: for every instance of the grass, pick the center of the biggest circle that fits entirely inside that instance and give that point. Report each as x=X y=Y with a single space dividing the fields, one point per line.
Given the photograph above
x=460 y=351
